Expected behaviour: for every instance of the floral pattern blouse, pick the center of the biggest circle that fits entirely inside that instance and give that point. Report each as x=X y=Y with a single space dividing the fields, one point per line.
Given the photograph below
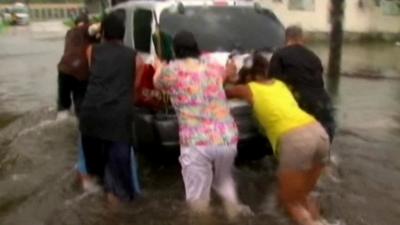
x=200 y=103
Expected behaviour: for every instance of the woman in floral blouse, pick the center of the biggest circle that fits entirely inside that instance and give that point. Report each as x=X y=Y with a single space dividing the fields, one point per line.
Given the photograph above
x=208 y=133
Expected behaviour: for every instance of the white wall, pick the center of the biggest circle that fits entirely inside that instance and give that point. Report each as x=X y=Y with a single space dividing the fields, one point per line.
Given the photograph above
x=365 y=20
x=316 y=20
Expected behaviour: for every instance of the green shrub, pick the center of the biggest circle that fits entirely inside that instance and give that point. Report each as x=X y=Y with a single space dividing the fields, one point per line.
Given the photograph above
x=93 y=19
x=69 y=22
x=3 y=26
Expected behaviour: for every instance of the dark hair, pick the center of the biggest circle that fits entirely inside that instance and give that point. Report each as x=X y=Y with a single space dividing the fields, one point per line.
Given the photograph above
x=113 y=25
x=294 y=32
x=185 y=45
x=259 y=66
x=244 y=76
x=82 y=18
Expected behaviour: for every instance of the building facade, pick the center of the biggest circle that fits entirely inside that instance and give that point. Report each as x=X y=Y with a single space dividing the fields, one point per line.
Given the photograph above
x=374 y=17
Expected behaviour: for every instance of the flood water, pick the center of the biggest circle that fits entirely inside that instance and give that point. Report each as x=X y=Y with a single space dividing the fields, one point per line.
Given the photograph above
x=37 y=153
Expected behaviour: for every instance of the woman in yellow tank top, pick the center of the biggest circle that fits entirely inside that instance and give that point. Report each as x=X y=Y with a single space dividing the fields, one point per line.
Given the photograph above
x=300 y=143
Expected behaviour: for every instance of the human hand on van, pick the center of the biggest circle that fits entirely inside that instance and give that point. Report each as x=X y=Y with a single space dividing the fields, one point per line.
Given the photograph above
x=158 y=63
x=158 y=66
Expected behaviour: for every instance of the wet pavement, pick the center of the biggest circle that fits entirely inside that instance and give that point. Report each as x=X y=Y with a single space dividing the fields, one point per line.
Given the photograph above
x=28 y=59
x=37 y=153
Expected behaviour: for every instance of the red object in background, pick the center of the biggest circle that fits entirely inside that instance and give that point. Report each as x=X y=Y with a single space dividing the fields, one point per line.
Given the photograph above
x=220 y=3
x=146 y=94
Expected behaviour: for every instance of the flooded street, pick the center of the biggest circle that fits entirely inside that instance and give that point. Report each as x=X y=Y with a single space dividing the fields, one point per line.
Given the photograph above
x=37 y=153
x=28 y=60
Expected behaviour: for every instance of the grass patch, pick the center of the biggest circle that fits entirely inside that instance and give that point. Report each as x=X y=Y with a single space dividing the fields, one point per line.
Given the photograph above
x=3 y=26
x=69 y=23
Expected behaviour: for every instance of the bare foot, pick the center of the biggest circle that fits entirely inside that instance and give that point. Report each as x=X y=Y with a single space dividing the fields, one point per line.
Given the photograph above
x=313 y=207
x=300 y=214
x=113 y=201
x=89 y=184
x=62 y=115
x=201 y=214
x=199 y=207
x=234 y=211
x=317 y=222
x=337 y=222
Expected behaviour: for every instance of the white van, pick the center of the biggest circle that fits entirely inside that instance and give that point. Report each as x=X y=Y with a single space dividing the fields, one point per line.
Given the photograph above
x=19 y=14
x=219 y=25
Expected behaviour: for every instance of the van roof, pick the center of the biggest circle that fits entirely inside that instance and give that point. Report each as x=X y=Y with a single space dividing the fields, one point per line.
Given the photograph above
x=154 y=4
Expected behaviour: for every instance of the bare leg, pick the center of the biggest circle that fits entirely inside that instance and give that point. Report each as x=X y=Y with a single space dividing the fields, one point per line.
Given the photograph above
x=294 y=190
x=311 y=201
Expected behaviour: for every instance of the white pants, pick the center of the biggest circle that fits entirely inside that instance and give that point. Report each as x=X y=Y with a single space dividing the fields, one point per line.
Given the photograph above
x=206 y=167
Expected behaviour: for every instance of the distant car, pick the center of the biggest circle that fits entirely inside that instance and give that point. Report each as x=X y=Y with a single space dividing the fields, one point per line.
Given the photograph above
x=6 y=15
x=221 y=27
x=19 y=13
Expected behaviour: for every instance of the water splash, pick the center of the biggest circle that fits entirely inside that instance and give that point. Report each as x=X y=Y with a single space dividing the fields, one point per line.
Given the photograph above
x=62 y=117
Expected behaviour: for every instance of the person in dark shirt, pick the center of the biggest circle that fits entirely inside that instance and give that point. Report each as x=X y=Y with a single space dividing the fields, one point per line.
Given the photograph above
x=105 y=118
x=301 y=69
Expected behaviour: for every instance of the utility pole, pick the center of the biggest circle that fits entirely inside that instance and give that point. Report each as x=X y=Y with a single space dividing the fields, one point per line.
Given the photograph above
x=336 y=42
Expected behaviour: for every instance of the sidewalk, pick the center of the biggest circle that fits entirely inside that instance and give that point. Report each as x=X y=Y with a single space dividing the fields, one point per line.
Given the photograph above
x=51 y=29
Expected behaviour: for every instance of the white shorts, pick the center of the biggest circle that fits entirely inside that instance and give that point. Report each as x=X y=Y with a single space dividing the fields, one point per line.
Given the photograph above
x=205 y=167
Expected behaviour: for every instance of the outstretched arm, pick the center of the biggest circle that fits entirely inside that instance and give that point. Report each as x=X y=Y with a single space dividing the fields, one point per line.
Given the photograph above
x=240 y=92
x=159 y=66
x=139 y=65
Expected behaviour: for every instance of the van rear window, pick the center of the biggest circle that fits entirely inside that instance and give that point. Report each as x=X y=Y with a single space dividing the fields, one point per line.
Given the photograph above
x=226 y=28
